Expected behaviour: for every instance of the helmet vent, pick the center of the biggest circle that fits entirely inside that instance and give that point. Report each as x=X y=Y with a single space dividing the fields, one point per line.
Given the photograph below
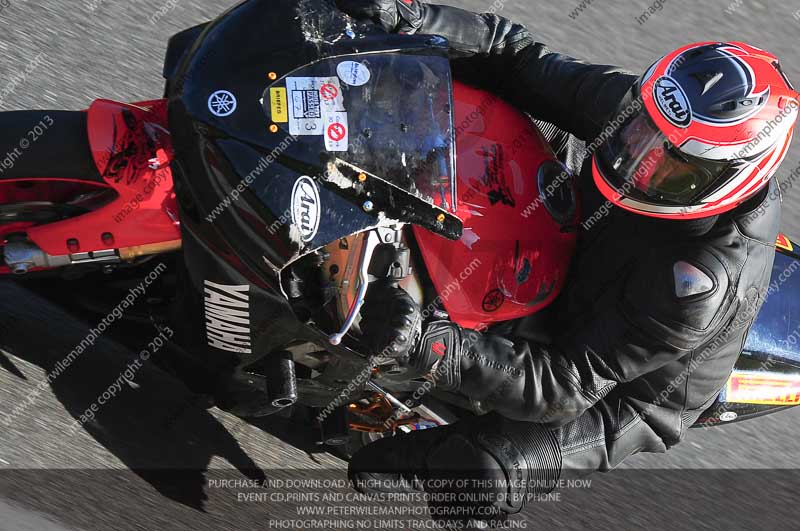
x=708 y=80
x=731 y=108
x=697 y=52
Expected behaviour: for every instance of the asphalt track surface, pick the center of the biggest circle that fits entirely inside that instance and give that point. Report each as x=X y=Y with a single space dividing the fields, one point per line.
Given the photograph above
x=105 y=475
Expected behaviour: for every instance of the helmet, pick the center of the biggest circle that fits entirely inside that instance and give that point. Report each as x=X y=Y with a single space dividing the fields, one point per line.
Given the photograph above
x=702 y=131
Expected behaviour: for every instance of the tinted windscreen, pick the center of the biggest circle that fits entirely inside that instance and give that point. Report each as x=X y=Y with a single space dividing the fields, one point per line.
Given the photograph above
x=388 y=114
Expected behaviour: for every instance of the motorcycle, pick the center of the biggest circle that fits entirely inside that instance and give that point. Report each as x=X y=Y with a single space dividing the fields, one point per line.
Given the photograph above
x=296 y=157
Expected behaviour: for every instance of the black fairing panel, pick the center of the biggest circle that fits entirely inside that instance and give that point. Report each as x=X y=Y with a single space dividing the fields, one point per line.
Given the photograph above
x=177 y=48
x=236 y=53
x=234 y=246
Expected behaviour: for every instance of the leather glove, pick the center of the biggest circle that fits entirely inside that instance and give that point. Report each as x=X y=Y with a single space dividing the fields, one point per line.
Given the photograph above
x=439 y=354
x=403 y=16
x=480 y=468
x=391 y=322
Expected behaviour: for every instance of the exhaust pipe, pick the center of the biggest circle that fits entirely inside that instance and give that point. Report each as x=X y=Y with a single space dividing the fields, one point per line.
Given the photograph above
x=262 y=392
x=335 y=428
x=281 y=380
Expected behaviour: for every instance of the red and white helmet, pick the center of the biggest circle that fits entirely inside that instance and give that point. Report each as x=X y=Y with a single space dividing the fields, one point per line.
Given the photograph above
x=702 y=131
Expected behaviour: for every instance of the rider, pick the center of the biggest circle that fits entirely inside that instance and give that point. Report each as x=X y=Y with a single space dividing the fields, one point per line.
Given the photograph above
x=675 y=256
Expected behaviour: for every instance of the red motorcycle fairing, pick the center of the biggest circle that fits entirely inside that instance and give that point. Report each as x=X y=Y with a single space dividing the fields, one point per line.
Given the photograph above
x=131 y=147
x=518 y=241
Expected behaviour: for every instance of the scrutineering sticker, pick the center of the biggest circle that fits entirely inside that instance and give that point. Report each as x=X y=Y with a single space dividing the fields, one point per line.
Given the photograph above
x=311 y=101
x=336 y=133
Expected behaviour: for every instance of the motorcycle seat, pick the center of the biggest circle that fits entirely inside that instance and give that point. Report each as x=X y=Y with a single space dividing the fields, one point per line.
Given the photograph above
x=46 y=144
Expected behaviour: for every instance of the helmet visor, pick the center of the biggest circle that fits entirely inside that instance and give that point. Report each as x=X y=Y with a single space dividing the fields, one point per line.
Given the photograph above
x=640 y=162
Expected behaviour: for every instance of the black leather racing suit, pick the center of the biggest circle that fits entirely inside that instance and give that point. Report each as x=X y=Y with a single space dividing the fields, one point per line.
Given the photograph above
x=655 y=313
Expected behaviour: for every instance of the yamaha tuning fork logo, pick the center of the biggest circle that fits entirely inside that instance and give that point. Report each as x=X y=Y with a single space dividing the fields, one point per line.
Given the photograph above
x=672 y=102
x=222 y=103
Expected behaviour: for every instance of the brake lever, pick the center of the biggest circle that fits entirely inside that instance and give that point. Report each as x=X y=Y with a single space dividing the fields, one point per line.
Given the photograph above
x=370 y=244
